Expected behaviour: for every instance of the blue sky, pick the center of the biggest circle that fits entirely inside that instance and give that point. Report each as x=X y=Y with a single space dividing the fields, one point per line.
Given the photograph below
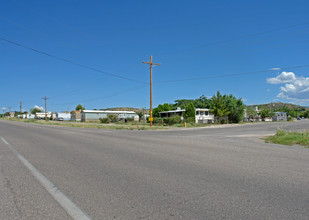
x=236 y=47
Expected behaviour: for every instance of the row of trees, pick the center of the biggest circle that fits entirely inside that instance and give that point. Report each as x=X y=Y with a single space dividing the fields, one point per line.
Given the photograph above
x=222 y=106
x=35 y=110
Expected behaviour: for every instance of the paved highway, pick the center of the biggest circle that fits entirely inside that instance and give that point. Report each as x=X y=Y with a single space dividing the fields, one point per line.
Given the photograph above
x=49 y=172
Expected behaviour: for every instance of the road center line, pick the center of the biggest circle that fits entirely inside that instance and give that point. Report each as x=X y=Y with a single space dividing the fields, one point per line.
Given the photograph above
x=69 y=206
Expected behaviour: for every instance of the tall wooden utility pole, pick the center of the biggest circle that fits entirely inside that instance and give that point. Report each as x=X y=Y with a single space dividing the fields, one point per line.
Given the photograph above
x=21 y=108
x=45 y=108
x=150 y=64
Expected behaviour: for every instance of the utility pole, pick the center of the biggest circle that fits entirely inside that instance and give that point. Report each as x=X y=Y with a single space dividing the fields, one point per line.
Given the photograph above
x=45 y=98
x=21 y=108
x=3 y=109
x=150 y=64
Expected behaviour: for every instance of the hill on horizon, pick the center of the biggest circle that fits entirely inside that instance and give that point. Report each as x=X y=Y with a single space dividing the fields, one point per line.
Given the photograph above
x=278 y=105
x=146 y=111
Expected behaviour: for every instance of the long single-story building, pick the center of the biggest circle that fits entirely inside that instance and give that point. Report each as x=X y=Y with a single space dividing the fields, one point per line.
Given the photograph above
x=95 y=115
x=28 y=116
x=202 y=115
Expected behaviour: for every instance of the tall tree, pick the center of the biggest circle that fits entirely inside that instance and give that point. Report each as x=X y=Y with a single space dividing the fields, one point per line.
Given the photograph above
x=251 y=113
x=202 y=102
x=218 y=106
x=35 y=110
x=190 y=111
x=235 y=107
x=160 y=108
x=266 y=113
x=79 y=107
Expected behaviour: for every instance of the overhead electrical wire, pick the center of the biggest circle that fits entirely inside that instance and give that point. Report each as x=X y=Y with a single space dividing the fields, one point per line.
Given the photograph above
x=233 y=39
x=164 y=55
x=230 y=75
x=69 y=61
x=54 y=20
x=104 y=97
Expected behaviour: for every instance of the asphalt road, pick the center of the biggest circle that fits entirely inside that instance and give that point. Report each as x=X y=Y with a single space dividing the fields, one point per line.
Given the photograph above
x=49 y=172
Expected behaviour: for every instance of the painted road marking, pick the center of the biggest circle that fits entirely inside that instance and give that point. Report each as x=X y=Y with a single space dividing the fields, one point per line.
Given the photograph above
x=4 y=141
x=69 y=206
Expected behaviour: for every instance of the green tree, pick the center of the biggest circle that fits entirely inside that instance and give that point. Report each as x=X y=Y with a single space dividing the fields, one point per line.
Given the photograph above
x=79 y=107
x=266 y=113
x=202 y=102
x=181 y=103
x=306 y=114
x=218 y=106
x=35 y=110
x=251 y=113
x=235 y=107
x=160 y=108
x=190 y=111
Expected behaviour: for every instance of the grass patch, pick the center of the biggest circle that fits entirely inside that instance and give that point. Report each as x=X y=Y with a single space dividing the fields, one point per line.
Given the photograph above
x=290 y=138
x=116 y=126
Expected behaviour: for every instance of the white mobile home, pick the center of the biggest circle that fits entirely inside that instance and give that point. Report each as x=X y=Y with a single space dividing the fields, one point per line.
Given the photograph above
x=63 y=116
x=41 y=115
x=28 y=116
x=95 y=115
x=202 y=115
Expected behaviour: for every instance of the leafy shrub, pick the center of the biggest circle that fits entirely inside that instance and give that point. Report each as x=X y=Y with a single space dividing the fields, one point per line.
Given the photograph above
x=158 y=121
x=173 y=120
x=104 y=120
x=112 y=118
x=130 y=119
x=190 y=120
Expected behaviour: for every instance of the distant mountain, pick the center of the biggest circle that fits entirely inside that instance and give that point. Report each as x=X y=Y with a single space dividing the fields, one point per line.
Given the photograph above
x=277 y=105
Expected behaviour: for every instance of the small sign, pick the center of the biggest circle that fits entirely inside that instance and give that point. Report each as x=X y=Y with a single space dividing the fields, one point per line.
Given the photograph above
x=150 y=119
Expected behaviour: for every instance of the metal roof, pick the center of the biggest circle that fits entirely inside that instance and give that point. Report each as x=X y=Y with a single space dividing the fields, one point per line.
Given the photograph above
x=183 y=110
x=108 y=112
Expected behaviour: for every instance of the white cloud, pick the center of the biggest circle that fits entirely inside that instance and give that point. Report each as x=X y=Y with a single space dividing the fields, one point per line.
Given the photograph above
x=38 y=107
x=276 y=68
x=295 y=88
x=284 y=77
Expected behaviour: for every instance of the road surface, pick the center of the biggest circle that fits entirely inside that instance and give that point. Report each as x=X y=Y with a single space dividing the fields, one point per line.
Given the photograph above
x=50 y=172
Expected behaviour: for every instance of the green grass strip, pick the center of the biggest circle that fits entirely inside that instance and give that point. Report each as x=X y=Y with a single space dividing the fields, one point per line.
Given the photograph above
x=290 y=138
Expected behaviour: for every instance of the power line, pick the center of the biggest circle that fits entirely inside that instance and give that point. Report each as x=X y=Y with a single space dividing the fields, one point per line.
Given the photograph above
x=233 y=39
x=104 y=97
x=69 y=61
x=53 y=20
x=96 y=81
x=37 y=32
x=229 y=75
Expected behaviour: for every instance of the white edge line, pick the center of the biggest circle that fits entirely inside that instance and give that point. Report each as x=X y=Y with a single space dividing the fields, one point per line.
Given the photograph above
x=69 y=206
x=4 y=141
